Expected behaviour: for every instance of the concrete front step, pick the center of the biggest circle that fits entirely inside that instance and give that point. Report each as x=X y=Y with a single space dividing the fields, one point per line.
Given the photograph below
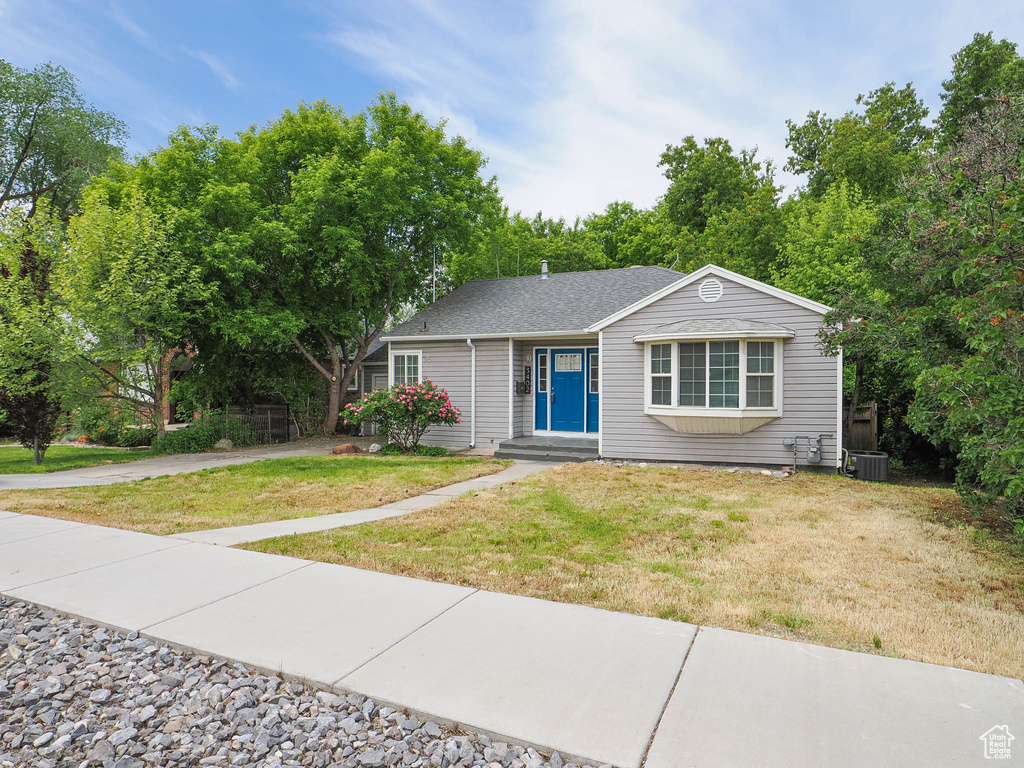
x=546 y=454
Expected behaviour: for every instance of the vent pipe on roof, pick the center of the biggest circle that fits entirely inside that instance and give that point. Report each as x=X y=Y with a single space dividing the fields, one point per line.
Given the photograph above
x=544 y=270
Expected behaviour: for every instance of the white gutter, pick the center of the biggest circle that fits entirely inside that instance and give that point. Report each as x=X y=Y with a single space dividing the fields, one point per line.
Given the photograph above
x=472 y=396
x=457 y=336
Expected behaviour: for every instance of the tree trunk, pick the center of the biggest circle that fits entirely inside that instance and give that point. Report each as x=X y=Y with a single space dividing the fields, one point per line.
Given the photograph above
x=38 y=454
x=851 y=412
x=158 y=397
x=334 y=383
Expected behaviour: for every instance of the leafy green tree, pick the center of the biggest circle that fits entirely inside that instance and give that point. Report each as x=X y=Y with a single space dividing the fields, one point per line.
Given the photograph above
x=351 y=212
x=51 y=140
x=823 y=245
x=32 y=326
x=133 y=294
x=983 y=69
x=951 y=263
x=873 y=149
x=744 y=239
x=709 y=178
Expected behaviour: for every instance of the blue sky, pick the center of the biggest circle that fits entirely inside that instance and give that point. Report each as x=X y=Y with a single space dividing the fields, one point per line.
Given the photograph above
x=572 y=101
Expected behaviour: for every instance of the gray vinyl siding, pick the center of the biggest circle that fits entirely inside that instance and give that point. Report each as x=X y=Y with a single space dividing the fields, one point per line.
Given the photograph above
x=529 y=347
x=369 y=371
x=518 y=401
x=448 y=365
x=809 y=385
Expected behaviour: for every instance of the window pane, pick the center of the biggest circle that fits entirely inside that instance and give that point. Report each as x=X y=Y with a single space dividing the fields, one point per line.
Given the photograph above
x=760 y=357
x=692 y=374
x=760 y=391
x=724 y=374
x=661 y=390
x=568 y=362
x=542 y=372
x=412 y=369
x=399 y=369
x=661 y=358
x=594 y=380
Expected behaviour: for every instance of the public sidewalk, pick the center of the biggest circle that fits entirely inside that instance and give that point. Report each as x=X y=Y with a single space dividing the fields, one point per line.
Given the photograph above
x=593 y=684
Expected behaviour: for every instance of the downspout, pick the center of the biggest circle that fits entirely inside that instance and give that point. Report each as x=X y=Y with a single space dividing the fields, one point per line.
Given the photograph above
x=472 y=395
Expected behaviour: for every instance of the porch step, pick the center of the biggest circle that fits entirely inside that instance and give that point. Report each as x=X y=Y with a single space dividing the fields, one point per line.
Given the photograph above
x=548 y=449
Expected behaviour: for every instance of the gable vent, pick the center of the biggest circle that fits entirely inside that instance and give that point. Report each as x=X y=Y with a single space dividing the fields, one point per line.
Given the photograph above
x=710 y=290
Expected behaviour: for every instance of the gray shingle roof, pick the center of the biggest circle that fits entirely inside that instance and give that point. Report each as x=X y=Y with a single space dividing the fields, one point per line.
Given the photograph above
x=718 y=326
x=565 y=301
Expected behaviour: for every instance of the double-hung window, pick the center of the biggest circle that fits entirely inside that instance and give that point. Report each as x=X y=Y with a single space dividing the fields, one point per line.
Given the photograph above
x=405 y=368
x=661 y=374
x=714 y=377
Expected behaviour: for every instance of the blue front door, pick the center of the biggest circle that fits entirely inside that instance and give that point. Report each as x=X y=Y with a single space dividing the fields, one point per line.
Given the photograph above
x=568 y=390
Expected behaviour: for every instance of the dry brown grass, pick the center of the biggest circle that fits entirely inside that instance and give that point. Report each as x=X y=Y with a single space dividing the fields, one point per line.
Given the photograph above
x=276 y=489
x=823 y=559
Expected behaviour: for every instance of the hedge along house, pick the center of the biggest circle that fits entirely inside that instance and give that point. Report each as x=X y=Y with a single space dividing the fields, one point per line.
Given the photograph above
x=636 y=363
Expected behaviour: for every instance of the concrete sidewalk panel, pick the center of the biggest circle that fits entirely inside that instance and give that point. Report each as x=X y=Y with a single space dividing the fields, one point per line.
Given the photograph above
x=751 y=700
x=70 y=551
x=4 y=514
x=21 y=527
x=587 y=682
x=136 y=593
x=320 y=622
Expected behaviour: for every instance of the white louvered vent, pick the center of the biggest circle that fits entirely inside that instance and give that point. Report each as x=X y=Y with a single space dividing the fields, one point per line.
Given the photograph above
x=710 y=290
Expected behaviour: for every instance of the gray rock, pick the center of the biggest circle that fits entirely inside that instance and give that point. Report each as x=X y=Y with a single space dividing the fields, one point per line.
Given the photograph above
x=123 y=736
x=372 y=758
x=432 y=729
x=223 y=445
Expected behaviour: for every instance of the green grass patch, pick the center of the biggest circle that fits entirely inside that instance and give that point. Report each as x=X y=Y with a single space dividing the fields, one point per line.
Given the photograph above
x=261 y=491
x=19 y=461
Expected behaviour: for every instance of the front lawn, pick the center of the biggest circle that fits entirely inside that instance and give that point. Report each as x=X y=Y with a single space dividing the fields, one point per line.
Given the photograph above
x=825 y=559
x=275 y=489
x=15 y=460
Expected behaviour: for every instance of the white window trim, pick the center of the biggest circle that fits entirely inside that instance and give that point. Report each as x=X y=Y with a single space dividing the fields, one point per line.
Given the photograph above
x=405 y=353
x=707 y=411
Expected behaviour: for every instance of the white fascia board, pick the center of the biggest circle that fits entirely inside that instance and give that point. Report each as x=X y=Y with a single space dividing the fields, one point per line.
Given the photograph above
x=705 y=271
x=787 y=334
x=478 y=336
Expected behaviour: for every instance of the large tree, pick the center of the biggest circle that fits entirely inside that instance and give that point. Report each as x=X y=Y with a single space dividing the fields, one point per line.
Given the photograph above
x=951 y=262
x=982 y=70
x=32 y=327
x=133 y=294
x=51 y=140
x=874 y=148
x=351 y=211
x=51 y=143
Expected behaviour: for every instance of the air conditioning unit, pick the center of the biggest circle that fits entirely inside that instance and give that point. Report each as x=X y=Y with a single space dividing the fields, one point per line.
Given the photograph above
x=870 y=465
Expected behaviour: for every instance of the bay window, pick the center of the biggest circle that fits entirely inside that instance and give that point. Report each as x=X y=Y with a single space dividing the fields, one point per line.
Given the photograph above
x=714 y=377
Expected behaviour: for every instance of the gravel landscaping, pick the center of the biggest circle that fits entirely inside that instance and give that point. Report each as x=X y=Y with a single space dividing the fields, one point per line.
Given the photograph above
x=78 y=695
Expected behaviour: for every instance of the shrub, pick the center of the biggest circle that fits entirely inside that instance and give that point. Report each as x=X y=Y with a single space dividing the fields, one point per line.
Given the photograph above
x=195 y=438
x=404 y=412
x=133 y=437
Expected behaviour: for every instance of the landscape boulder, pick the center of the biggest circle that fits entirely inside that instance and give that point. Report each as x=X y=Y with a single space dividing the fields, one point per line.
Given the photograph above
x=223 y=445
x=346 y=449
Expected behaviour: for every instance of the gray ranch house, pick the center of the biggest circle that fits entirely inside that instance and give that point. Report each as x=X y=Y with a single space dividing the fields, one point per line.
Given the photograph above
x=639 y=363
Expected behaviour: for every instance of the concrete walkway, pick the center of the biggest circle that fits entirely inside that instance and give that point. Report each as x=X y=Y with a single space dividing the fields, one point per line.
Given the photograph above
x=607 y=687
x=241 y=534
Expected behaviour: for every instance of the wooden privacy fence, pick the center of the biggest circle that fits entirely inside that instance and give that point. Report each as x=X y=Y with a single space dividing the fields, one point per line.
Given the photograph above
x=864 y=435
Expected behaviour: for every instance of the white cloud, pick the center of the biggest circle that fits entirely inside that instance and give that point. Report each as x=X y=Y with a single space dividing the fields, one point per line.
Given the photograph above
x=218 y=67
x=574 y=100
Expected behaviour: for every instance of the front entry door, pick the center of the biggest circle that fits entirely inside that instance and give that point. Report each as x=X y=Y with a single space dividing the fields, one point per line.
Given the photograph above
x=568 y=390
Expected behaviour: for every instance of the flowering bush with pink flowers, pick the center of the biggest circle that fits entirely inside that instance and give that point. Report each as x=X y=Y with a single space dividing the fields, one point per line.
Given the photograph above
x=404 y=412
